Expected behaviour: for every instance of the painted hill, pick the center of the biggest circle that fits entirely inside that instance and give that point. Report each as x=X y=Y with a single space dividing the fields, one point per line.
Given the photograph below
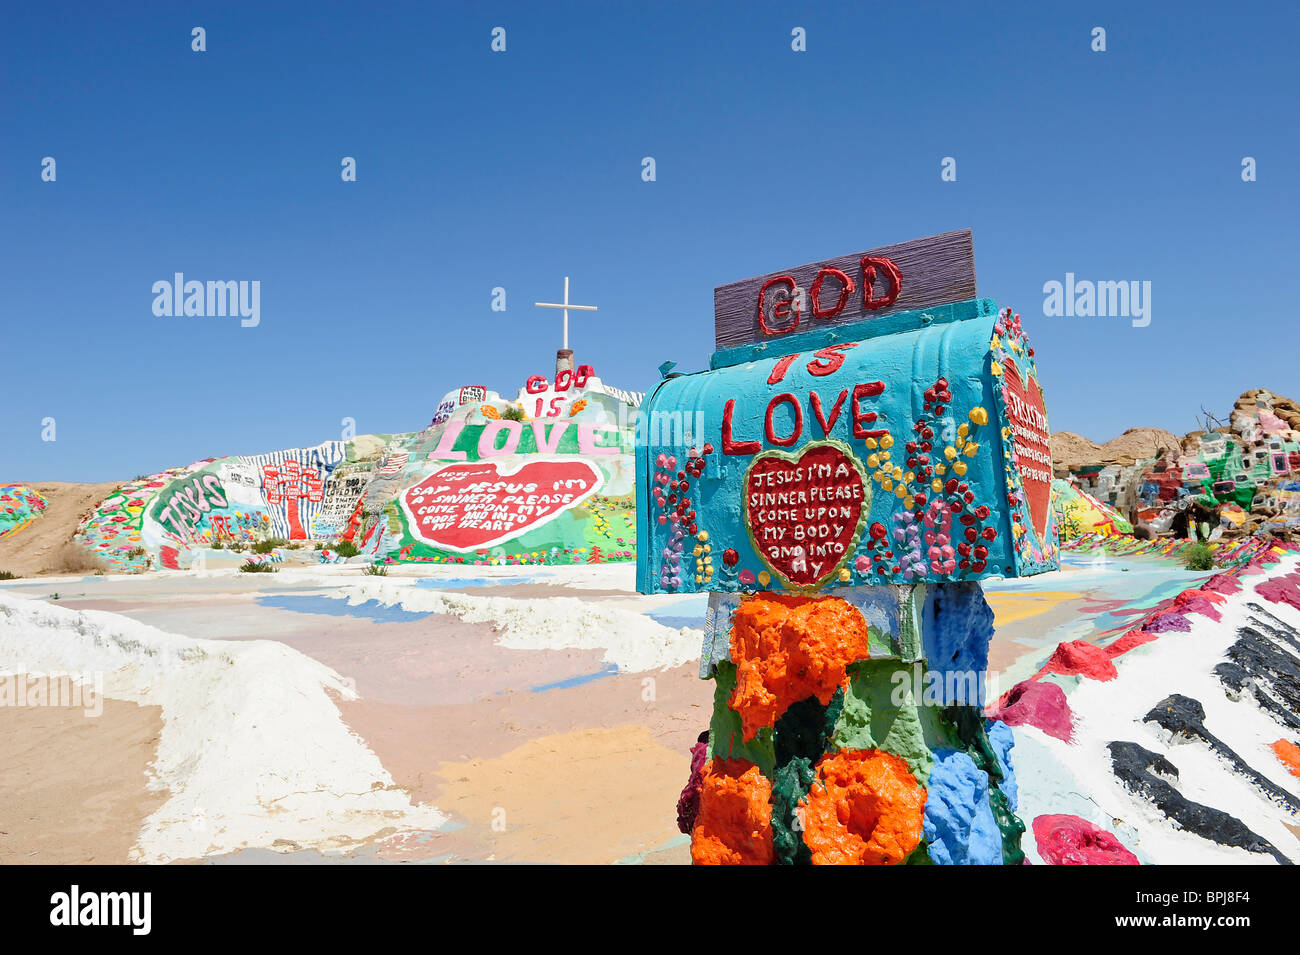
x=545 y=477
x=1233 y=480
x=44 y=541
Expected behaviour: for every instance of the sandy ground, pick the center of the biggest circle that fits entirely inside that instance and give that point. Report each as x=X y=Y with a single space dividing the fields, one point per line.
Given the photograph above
x=73 y=787
x=36 y=548
x=535 y=755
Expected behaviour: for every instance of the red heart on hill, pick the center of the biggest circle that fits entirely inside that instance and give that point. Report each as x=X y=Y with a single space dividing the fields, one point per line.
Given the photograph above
x=1030 y=438
x=805 y=511
x=473 y=505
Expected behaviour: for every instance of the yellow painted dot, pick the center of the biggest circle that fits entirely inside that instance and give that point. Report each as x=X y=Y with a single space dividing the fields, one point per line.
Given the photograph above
x=909 y=501
x=972 y=449
x=963 y=429
x=702 y=535
x=887 y=441
x=901 y=491
x=936 y=485
x=949 y=453
x=764 y=578
x=980 y=415
x=940 y=469
x=959 y=468
x=887 y=484
x=699 y=578
x=873 y=461
x=698 y=550
x=898 y=474
x=909 y=477
x=708 y=548
x=844 y=575
x=958 y=441
x=871 y=443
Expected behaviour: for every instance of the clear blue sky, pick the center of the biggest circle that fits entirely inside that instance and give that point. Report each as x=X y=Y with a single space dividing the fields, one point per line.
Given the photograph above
x=478 y=170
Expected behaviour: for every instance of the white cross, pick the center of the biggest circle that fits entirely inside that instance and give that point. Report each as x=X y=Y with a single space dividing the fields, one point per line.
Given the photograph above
x=566 y=306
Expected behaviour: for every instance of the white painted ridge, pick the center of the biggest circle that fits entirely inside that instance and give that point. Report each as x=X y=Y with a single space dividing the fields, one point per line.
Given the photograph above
x=253 y=750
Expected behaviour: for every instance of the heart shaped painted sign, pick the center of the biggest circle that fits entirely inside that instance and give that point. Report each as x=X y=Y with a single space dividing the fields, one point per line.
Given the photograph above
x=474 y=505
x=1030 y=440
x=805 y=511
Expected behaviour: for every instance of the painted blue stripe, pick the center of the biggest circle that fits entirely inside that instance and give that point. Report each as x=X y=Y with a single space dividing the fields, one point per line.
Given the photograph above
x=573 y=681
x=334 y=607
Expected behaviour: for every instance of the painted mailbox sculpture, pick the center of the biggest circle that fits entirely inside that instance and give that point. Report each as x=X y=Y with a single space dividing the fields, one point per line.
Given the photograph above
x=869 y=444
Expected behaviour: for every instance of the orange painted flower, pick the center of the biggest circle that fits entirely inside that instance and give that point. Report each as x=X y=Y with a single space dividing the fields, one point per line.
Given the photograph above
x=865 y=808
x=577 y=406
x=1289 y=754
x=734 y=825
x=489 y=411
x=788 y=648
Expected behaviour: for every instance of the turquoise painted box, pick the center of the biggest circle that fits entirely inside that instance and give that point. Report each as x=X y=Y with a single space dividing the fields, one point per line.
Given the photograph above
x=901 y=448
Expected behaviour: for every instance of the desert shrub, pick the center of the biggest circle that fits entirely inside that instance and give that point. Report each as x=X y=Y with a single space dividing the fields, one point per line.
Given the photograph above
x=73 y=558
x=376 y=570
x=514 y=413
x=345 y=549
x=8 y=575
x=218 y=545
x=1199 y=557
x=257 y=567
x=268 y=545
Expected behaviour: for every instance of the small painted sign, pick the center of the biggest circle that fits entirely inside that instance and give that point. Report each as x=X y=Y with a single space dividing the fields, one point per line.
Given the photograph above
x=896 y=278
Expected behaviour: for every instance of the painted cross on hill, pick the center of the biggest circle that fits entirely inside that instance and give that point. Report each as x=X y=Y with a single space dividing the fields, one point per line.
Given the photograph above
x=566 y=306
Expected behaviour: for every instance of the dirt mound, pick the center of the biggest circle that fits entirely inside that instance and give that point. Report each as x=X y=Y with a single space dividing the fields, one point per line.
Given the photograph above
x=1070 y=450
x=43 y=546
x=1138 y=443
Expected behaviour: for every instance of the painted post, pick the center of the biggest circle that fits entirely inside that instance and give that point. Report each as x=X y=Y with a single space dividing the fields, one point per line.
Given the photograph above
x=874 y=445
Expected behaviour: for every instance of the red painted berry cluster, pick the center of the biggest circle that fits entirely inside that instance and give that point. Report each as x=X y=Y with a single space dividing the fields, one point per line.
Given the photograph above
x=1008 y=326
x=936 y=397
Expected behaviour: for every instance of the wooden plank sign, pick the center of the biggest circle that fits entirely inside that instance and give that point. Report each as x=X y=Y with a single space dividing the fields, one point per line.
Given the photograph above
x=895 y=278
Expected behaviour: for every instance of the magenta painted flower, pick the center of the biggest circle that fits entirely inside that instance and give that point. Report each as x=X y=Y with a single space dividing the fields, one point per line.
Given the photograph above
x=863 y=563
x=747 y=576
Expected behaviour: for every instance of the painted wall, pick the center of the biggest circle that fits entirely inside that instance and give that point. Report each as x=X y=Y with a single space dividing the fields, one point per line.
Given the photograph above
x=1078 y=513
x=475 y=486
x=482 y=487
x=19 y=506
x=1237 y=470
